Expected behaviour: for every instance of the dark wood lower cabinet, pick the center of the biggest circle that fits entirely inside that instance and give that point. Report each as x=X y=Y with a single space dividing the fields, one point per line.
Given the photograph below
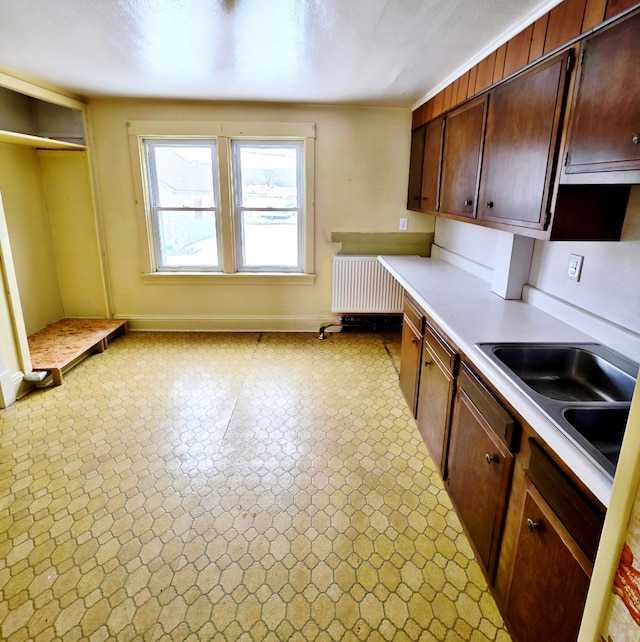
x=479 y=466
x=550 y=577
x=410 y=363
x=436 y=392
x=410 y=352
x=533 y=526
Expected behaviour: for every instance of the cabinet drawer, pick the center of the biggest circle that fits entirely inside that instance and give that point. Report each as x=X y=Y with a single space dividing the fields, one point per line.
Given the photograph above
x=413 y=313
x=439 y=348
x=502 y=423
x=577 y=514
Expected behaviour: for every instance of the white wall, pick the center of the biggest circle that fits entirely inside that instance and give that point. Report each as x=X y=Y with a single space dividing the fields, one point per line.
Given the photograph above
x=472 y=242
x=609 y=287
x=361 y=170
x=610 y=283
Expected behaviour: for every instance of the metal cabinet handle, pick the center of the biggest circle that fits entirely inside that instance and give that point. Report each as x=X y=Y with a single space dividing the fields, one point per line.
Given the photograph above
x=533 y=526
x=414 y=340
x=468 y=203
x=635 y=139
x=490 y=458
x=427 y=363
x=489 y=204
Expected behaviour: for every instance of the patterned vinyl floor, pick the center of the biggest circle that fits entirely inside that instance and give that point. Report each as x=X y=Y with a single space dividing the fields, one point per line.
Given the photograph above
x=231 y=487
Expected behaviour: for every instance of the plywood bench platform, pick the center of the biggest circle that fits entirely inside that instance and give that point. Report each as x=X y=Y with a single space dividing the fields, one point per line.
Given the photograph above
x=61 y=345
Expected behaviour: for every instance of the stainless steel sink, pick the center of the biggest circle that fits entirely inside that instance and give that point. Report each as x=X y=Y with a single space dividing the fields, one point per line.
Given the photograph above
x=584 y=388
x=602 y=427
x=567 y=373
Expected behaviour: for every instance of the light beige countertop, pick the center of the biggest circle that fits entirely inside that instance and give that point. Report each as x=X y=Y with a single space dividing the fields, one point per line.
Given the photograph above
x=466 y=310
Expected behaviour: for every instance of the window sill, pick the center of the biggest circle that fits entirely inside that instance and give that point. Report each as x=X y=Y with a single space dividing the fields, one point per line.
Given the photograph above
x=237 y=278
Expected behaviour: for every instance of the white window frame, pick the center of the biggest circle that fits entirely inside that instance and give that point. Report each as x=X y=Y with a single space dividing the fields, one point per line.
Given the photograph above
x=223 y=133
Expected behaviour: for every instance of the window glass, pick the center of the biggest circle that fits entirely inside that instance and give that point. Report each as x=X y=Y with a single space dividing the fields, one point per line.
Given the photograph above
x=187 y=238
x=182 y=185
x=268 y=198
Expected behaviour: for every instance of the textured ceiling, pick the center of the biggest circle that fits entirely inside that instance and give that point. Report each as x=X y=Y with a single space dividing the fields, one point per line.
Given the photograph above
x=377 y=52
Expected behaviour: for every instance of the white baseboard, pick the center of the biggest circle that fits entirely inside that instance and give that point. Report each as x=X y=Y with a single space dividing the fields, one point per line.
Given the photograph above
x=603 y=331
x=240 y=323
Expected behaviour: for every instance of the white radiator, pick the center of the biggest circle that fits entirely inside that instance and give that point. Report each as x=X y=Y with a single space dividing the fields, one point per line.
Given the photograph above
x=361 y=284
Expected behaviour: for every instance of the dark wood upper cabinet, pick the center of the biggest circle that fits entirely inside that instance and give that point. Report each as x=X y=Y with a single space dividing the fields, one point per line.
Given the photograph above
x=461 y=157
x=430 y=194
x=520 y=150
x=603 y=144
x=415 y=169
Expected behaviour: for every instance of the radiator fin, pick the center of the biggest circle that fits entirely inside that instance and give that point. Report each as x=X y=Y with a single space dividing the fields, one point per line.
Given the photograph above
x=361 y=284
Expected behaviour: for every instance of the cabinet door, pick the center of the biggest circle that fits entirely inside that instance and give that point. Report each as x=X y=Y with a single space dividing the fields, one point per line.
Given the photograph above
x=415 y=169
x=479 y=470
x=604 y=133
x=461 y=158
x=550 y=578
x=435 y=396
x=431 y=165
x=520 y=146
x=410 y=362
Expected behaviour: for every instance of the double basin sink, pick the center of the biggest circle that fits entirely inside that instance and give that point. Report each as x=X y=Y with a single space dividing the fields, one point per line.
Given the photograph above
x=584 y=388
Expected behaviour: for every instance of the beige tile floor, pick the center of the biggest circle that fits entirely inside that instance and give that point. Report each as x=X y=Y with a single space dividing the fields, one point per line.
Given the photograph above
x=230 y=487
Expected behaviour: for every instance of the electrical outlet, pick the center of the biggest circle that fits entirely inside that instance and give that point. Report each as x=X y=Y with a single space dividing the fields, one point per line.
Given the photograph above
x=575 y=266
x=404 y=224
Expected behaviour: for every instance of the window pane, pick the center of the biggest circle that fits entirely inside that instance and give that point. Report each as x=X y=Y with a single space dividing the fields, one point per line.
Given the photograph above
x=270 y=239
x=269 y=176
x=187 y=239
x=183 y=175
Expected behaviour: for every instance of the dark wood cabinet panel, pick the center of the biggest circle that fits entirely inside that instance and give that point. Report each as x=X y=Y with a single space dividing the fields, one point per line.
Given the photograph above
x=431 y=165
x=410 y=355
x=435 y=396
x=484 y=76
x=604 y=129
x=479 y=471
x=518 y=51
x=550 y=577
x=538 y=36
x=520 y=145
x=593 y=14
x=498 y=68
x=614 y=7
x=410 y=363
x=461 y=158
x=415 y=169
x=565 y=23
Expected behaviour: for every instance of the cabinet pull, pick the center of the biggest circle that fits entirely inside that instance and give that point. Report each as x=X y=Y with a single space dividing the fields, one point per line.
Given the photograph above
x=490 y=458
x=489 y=204
x=533 y=526
x=414 y=340
x=635 y=139
x=427 y=363
x=468 y=203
